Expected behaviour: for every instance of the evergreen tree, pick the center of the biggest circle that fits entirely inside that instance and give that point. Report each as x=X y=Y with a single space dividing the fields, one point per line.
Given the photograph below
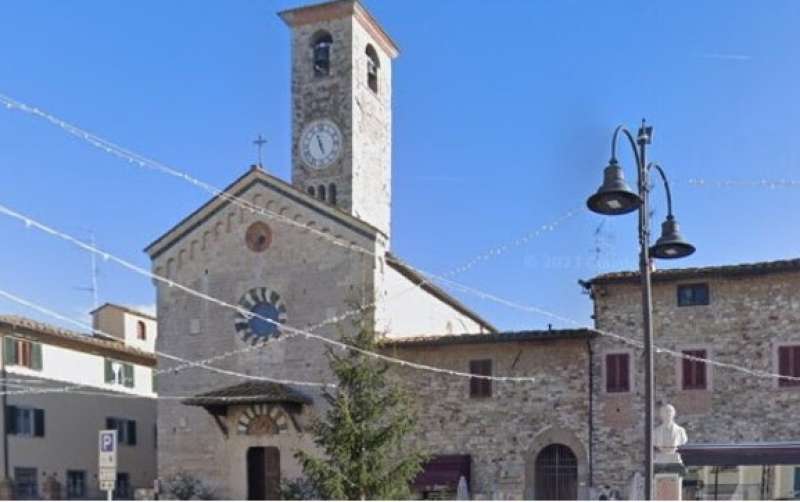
x=361 y=434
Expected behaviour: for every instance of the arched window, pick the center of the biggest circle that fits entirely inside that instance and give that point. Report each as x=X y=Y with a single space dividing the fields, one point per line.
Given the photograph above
x=141 y=330
x=311 y=191
x=332 y=193
x=372 y=68
x=321 y=47
x=321 y=192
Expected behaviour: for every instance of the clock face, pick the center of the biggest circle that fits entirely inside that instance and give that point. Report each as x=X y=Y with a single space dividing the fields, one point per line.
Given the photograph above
x=320 y=144
x=260 y=304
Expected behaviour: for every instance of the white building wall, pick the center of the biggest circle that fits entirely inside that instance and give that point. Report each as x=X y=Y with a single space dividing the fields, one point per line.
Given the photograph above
x=410 y=311
x=72 y=422
x=75 y=367
x=131 y=332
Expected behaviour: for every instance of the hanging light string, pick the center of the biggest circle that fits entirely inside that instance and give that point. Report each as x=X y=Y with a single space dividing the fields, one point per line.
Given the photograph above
x=627 y=340
x=203 y=364
x=86 y=390
x=145 y=162
x=762 y=183
x=31 y=223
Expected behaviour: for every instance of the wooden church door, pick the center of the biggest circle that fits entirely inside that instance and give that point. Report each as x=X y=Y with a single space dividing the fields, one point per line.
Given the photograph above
x=263 y=473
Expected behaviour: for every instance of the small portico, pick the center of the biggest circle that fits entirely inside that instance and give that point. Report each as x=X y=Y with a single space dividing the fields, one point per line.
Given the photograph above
x=263 y=424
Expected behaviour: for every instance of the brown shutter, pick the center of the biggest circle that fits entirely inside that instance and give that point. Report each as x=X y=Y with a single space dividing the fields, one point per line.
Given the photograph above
x=700 y=369
x=688 y=366
x=784 y=361
x=796 y=363
x=625 y=381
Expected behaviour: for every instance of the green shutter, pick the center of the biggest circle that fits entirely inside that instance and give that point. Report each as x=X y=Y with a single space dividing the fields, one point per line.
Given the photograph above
x=9 y=350
x=36 y=356
x=131 y=432
x=11 y=419
x=127 y=372
x=38 y=423
x=109 y=372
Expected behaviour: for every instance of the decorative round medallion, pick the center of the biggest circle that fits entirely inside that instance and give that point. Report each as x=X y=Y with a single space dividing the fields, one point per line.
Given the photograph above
x=261 y=304
x=258 y=237
x=320 y=143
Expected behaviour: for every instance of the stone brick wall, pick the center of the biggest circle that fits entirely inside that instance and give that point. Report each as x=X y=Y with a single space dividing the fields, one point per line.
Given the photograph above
x=362 y=173
x=503 y=433
x=316 y=280
x=747 y=318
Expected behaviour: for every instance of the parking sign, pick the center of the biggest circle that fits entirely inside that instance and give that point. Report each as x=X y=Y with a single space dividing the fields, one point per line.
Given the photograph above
x=107 y=457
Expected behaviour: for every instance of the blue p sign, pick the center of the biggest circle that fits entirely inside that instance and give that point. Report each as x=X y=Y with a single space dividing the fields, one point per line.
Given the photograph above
x=107 y=442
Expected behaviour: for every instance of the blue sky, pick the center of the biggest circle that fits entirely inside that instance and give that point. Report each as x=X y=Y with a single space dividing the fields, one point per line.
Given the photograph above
x=503 y=115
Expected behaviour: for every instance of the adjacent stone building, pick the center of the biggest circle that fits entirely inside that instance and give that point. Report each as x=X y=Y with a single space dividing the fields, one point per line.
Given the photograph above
x=746 y=315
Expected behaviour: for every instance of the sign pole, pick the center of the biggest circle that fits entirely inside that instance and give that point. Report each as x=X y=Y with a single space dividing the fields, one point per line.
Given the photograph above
x=107 y=461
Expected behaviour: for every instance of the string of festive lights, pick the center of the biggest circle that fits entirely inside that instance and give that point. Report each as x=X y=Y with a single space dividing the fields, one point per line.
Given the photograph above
x=341 y=345
x=31 y=223
x=144 y=162
x=629 y=341
x=203 y=364
x=762 y=183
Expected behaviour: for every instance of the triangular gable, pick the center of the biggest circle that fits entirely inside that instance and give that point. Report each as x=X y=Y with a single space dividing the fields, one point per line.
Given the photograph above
x=256 y=176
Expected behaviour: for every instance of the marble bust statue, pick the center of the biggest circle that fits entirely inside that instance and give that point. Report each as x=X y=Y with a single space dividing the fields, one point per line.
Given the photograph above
x=668 y=436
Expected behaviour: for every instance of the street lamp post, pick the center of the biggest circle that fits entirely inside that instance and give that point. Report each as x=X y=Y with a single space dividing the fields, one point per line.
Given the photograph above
x=614 y=197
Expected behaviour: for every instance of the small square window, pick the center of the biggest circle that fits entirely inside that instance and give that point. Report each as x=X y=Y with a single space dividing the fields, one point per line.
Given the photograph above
x=76 y=484
x=693 y=294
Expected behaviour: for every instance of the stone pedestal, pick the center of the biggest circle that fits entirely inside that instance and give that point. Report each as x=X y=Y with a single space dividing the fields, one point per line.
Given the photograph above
x=668 y=482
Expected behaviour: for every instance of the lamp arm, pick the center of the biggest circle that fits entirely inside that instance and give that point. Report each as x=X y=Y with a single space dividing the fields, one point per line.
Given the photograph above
x=631 y=140
x=657 y=167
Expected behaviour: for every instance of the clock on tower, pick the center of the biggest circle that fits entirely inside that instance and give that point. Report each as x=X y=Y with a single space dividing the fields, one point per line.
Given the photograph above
x=342 y=108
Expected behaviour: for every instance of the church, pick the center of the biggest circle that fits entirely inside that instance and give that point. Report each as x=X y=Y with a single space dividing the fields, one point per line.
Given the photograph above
x=305 y=252
x=319 y=245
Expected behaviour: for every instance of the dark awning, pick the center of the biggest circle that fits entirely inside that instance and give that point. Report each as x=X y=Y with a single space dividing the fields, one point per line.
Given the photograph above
x=249 y=393
x=443 y=471
x=775 y=453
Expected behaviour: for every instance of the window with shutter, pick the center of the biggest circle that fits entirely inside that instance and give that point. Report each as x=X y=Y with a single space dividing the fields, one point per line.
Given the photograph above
x=480 y=387
x=694 y=372
x=11 y=419
x=127 y=372
x=618 y=373
x=9 y=350
x=109 y=371
x=131 y=432
x=36 y=356
x=38 y=423
x=789 y=365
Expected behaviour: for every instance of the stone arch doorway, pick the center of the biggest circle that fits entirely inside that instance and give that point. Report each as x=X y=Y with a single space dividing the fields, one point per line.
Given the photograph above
x=556 y=456
x=263 y=473
x=556 y=473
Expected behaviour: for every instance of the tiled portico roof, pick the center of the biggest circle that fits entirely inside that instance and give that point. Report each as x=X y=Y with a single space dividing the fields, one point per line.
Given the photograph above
x=249 y=393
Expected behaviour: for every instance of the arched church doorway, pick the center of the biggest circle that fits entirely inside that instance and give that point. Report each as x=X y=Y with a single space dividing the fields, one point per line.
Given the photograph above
x=556 y=473
x=263 y=473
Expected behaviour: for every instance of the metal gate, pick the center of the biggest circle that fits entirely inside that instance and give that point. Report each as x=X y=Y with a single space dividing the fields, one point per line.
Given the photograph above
x=556 y=473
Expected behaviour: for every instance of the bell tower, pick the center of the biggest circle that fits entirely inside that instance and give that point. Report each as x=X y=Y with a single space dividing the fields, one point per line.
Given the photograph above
x=342 y=108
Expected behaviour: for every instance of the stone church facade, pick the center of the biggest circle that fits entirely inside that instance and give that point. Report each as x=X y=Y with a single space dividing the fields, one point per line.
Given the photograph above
x=299 y=253
x=305 y=251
